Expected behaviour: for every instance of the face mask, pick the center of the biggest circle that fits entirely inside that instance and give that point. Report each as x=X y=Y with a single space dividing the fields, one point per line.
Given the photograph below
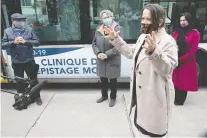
x=19 y=24
x=146 y=28
x=183 y=24
x=108 y=21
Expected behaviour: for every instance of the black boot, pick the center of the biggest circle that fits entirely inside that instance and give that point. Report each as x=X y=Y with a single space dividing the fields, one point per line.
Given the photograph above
x=180 y=97
x=112 y=102
x=100 y=100
x=113 y=86
x=104 y=90
x=39 y=101
x=178 y=104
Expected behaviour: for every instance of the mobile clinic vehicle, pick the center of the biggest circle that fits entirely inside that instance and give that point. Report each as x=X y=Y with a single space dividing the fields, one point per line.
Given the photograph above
x=66 y=29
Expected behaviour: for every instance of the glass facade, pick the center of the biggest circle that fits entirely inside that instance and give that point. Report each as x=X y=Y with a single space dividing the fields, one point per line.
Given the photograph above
x=126 y=13
x=58 y=22
x=197 y=8
x=54 y=20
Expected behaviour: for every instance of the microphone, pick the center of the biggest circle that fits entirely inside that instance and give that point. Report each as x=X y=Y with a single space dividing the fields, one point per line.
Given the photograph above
x=26 y=98
x=37 y=88
x=20 y=79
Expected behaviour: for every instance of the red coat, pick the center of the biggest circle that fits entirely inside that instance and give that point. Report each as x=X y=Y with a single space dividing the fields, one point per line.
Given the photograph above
x=185 y=76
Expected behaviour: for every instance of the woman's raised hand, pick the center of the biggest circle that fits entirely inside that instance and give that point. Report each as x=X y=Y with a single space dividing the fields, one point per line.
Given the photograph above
x=112 y=34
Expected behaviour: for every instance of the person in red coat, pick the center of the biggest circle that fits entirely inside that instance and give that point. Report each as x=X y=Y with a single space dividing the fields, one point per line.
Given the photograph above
x=185 y=75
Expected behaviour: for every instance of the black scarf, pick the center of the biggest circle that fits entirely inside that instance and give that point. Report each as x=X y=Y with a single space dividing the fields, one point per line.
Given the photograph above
x=181 y=42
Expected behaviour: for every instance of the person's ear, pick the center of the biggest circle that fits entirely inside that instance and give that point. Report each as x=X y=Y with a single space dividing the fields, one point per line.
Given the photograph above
x=161 y=23
x=13 y=21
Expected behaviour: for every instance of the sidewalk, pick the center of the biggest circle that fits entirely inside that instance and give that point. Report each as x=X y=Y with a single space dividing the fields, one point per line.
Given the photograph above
x=75 y=112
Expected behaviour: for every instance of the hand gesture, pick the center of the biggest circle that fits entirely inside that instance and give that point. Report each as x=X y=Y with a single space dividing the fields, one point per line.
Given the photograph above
x=112 y=34
x=150 y=44
x=16 y=40
x=21 y=40
x=102 y=56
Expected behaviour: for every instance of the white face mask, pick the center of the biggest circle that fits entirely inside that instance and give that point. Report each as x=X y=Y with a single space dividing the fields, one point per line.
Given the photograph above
x=19 y=24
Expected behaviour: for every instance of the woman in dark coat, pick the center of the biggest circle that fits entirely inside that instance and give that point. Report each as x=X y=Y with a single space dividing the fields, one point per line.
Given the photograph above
x=185 y=75
x=108 y=58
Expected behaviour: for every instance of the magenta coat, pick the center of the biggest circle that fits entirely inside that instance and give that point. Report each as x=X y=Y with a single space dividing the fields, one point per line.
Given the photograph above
x=185 y=76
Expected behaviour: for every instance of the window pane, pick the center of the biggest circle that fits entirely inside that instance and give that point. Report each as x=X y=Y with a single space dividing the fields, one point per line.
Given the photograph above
x=201 y=19
x=126 y=13
x=130 y=18
x=22 y=3
x=54 y=20
x=28 y=2
x=198 y=10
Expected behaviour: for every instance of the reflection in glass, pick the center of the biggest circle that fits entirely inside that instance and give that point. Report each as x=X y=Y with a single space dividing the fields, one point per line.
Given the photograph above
x=126 y=13
x=69 y=15
x=130 y=18
x=54 y=20
x=197 y=9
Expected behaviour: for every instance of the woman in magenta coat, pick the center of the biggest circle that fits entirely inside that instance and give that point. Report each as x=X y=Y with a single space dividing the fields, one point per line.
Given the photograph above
x=185 y=75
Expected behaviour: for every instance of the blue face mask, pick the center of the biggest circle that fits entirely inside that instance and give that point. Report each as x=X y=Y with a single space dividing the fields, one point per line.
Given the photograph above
x=108 y=21
x=19 y=24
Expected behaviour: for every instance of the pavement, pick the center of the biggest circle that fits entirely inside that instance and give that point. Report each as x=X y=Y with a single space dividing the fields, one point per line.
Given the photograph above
x=74 y=112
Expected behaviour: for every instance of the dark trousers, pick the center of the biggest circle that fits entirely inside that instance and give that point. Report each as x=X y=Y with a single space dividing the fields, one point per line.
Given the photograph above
x=180 y=96
x=31 y=69
x=105 y=85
